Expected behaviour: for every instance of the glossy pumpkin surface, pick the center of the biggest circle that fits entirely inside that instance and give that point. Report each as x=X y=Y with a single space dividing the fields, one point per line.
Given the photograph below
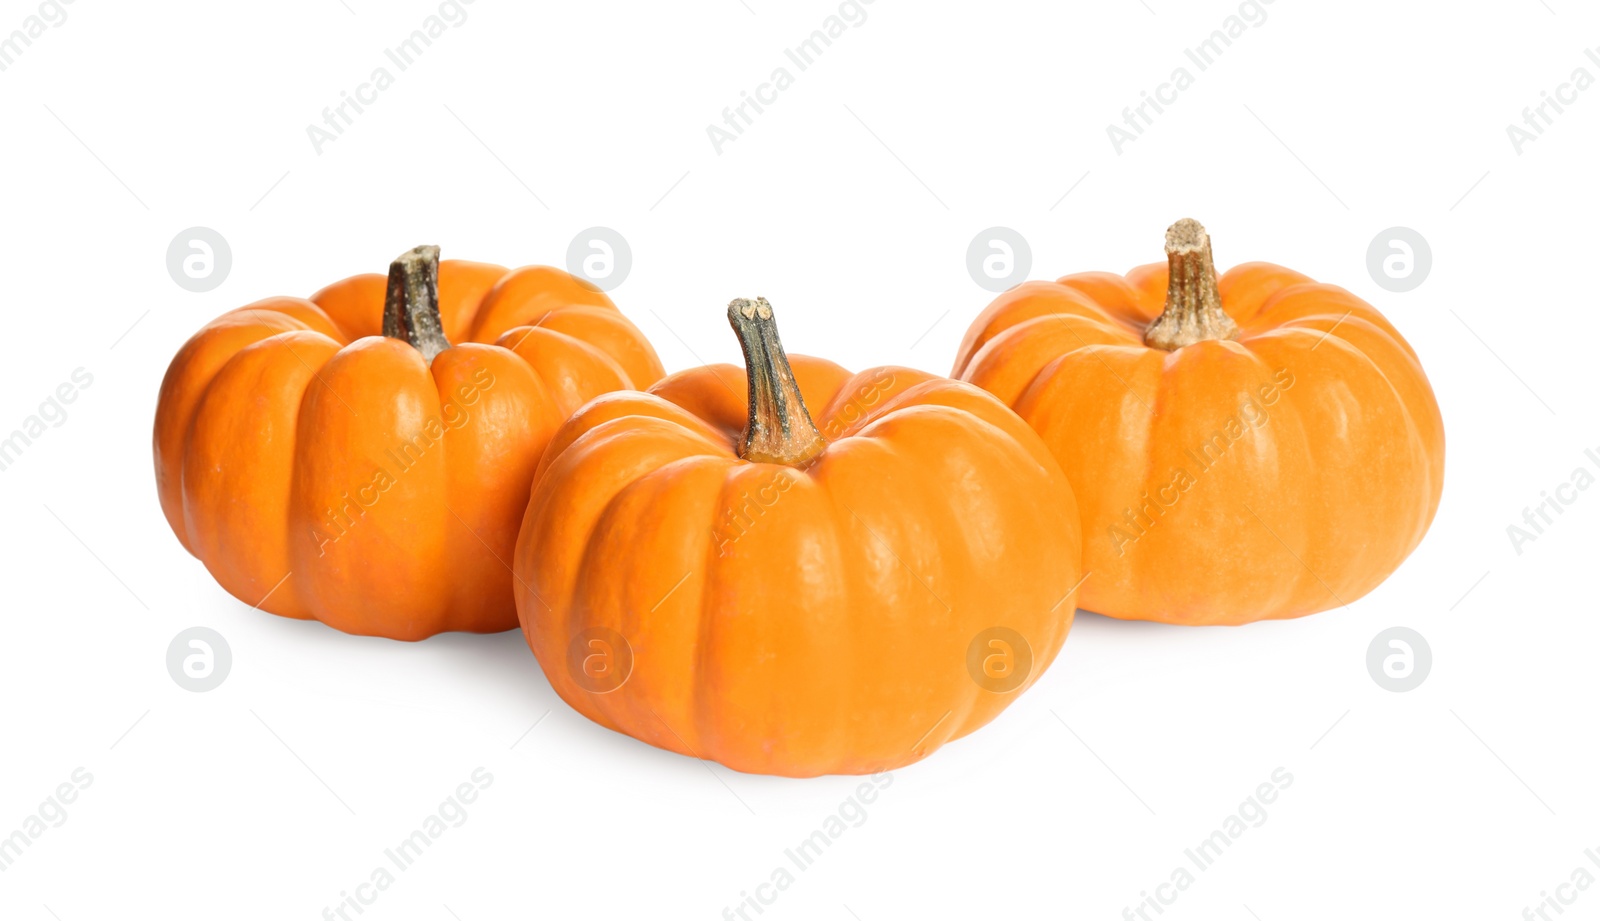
x=1276 y=452
x=710 y=570
x=320 y=468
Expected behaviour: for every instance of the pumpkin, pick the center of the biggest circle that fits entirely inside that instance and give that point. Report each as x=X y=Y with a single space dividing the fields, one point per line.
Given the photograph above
x=1253 y=446
x=363 y=457
x=711 y=569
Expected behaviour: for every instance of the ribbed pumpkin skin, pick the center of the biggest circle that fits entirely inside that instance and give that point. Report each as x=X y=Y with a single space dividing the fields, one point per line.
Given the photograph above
x=1305 y=511
x=278 y=422
x=825 y=631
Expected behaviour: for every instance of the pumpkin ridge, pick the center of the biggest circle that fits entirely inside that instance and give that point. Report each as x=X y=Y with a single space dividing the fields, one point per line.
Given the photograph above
x=986 y=356
x=1157 y=416
x=607 y=520
x=1418 y=439
x=640 y=407
x=279 y=340
x=416 y=606
x=1354 y=306
x=544 y=288
x=800 y=620
x=1309 y=588
x=272 y=305
x=915 y=406
x=1181 y=426
x=287 y=534
x=1248 y=277
x=457 y=490
x=872 y=413
x=701 y=711
x=196 y=351
x=1352 y=588
x=608 y=428
x=623 y=332
x=260 y=350
x=1097 y=352
x=934 y=548
x=1001 y=325
x=1121 y=333
x=537 y=319
x=1131 y=311
x=552 y=380
x=867 y=545
x=849 y=391
x=574 y=342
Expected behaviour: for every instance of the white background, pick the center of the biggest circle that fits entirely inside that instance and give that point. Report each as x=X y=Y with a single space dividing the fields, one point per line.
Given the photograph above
x=850 y=204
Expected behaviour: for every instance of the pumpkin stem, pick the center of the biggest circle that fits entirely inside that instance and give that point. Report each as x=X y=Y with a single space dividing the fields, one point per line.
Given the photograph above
x=1194 y=308
x=780 y=430
x=411 y=304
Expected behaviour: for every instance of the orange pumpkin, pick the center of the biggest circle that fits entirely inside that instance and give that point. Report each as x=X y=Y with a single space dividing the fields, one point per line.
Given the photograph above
x=339 y=459
x=709 y=568
x=1246 y=447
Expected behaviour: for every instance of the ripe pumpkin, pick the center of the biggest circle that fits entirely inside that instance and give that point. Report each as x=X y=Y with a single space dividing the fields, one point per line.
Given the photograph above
x=338 y=458
x=709 y=568
x=1245 y=447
